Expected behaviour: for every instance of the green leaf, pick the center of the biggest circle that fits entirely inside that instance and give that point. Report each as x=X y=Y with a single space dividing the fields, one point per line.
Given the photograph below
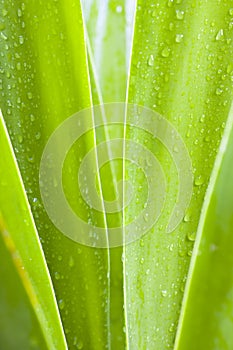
x=45 y=81
x=207 y=305
x=20 y=235
x=181 y=68
x=109 y=32
x=16 y=312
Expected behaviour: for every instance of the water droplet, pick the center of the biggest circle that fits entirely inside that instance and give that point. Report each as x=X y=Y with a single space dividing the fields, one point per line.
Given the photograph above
x=21 y=40
x=191 y=236
x=57 y=276
x=179 y=14
x=4 y=36
x=231 y=11
x=220 y=35
x=4 y=12
x=165 y=52
x=146 y=217
x=170 y=3
x=38 y=135
x=19 y=13
x=119 y=9
x=207 y=138
x=142 y=243
x=80 y=345
x=31 y=159
x=187 y=217
x=218 y=91
x=171 y=26
x=190 y=252
x=202 y=118
x=18 y=66
x=20 y=138
x=164 y=293
x=153 y=14
x=61 y=304
x=179 y=38
x=199 y=180
x=71 y=261
x=142 y=261
x=29 y=95
x=150 y=61
x=172 y=328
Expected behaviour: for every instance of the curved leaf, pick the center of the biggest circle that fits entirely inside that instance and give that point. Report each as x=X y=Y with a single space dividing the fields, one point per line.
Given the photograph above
x=21 y=238
x=45 y=81
x=207 y=305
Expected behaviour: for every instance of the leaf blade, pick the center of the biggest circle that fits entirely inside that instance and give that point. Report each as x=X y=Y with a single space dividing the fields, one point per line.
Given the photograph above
x=28 y=258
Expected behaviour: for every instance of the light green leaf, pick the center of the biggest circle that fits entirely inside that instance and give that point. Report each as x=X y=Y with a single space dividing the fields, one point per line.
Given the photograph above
x=181 y=68
x=20 y=236
x=207 y=305
x=45 y=81
x=109 y=33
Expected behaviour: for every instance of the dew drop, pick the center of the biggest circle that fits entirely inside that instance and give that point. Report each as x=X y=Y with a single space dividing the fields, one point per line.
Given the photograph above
x=202 y=118
x=80 y=345
x=4 y=36
x=179 y=14
x=164 y=293
x=119 y=9
x=153 y=14
x=21 y=40
x=38 y=135
x=191 y=236
x=170 y=3
x=71 y=261
x=231 y=11
x=190 y=252
x=165 y=52
x=179 y=38
x=18 y=66
x=142 y=243
x=32 y=117
x=207 y=138
x=61 y=304
x=19 y=13
x=29 y=95
x=220 y=35
x=142 y=261
x=57 y=276
x=4 y=12
x=20 y=138
x=199 y=180
x=31 y=159
x=150 y=61
x=187 y=217
x=218 y=91
x=172 y=328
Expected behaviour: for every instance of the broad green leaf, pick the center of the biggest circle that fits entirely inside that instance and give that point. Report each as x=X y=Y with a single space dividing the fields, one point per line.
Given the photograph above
x=182 y=69
x=45 y=81
x=207 y=305
x=20 y=235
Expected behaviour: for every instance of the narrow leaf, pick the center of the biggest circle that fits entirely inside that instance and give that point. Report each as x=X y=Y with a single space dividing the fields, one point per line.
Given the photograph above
x=21 y=238
x=45 y=65
x=207 y=305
